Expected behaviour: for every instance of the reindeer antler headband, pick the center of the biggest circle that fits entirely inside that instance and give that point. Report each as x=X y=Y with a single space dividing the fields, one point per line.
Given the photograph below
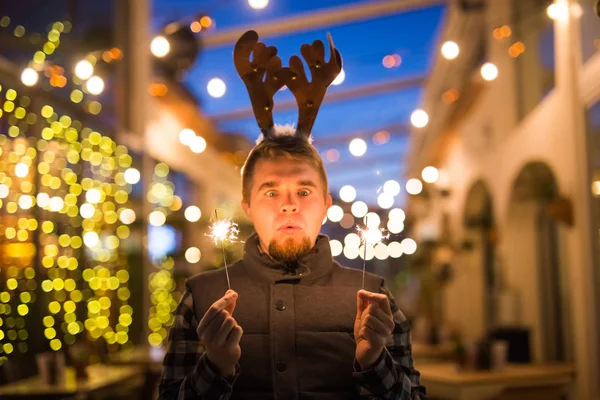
x=264 y=76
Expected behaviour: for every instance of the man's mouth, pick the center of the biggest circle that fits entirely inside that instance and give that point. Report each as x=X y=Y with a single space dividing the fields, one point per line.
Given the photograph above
x=289 y=228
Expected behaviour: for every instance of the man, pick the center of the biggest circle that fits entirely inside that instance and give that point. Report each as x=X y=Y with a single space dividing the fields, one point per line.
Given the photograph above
x=308 y=332
x=295 y=326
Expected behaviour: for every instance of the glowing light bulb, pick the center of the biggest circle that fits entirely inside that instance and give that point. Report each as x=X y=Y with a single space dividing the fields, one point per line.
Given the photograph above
x=216 y=88
x=489 y=71
x=160 y=46
x=29 y=77
x=450 y=50
x=95 y=85
x=357 y=147
x=419 y=118
x=347 y=193
x=84 y=70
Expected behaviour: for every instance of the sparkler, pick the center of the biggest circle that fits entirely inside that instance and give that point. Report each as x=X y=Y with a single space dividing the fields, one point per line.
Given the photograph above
x=222 y=231
x=370 y=236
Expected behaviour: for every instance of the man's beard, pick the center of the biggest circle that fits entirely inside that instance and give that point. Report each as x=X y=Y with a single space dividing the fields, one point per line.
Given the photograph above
x=290 y=249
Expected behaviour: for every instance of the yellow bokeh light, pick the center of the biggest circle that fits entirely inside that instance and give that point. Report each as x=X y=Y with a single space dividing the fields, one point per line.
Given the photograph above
x=55 y=344
x=104 y=303
x=47 y=285
x=73 y=328
x=125 y=319
x=69 y=306
x=123 y=232
x=54 y=307
x=47 y=111
x=76 y=296
x=70 y=285
x=69 y=317
x=155 y=339
x=87 y=274
x=72 y=264
x=12 y=284
x=47 y=227
x=102 y=322
x=22 y=309
x=123 y=294
x=10 y=233
x=94 y=306
x=8 y=348
x=25 y=297
x=50 y=333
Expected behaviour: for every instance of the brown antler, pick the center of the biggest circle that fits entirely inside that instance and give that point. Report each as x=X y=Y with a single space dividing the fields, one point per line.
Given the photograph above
x=264 y=61
x=309 y=95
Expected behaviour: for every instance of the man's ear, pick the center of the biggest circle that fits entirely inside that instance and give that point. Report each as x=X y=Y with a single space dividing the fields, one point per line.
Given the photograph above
x=246 y=208
x=328 y=201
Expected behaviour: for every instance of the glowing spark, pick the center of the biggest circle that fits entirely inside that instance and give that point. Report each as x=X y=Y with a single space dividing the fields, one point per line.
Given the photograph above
x=370 y=236
x=224 y=231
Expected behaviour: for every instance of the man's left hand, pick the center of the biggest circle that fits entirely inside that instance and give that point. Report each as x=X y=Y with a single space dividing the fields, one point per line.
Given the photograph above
x=372 y=328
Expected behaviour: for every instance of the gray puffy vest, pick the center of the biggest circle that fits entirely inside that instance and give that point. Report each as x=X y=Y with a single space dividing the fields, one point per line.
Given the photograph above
x=298 y=340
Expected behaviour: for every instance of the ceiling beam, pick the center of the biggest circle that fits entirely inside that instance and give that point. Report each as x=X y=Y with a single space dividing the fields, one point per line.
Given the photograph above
x=310 y=21
x=397 y=129
x=333 y=97
x=368 y=163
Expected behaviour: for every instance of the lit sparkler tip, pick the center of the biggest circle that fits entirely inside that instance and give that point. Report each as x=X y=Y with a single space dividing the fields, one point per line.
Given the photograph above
x=224 y=231
x=372 y=235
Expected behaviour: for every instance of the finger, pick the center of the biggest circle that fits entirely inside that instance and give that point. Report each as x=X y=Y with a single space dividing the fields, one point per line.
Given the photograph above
x=224 y=331
x=386 y=319
x=372 y=337
x=376 y=325
x=227 y=302
x=361 y=304
x=234 y=337
x=211 y=330
x=378 y=298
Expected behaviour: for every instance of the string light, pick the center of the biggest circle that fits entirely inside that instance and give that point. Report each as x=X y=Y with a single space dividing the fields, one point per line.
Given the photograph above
x=160 y=46
x=29 y=77
x=450 y=50
x=489 y=71
x=419 y=118
x=357 y=147
x=216 y=88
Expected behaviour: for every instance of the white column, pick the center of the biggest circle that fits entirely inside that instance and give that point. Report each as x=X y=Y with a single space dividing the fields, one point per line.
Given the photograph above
x=584 y=316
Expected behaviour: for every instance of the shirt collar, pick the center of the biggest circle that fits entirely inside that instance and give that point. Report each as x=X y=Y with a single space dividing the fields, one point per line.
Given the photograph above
x=314 y=264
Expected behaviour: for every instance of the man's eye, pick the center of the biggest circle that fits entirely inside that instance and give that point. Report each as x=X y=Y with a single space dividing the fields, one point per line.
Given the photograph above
x=271 y=193
x=304 y=192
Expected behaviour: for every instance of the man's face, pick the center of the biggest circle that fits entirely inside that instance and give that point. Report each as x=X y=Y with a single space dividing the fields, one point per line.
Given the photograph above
x=287 y=207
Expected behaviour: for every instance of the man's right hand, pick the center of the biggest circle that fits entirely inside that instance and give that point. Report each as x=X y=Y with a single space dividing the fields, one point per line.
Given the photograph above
x=221 y=334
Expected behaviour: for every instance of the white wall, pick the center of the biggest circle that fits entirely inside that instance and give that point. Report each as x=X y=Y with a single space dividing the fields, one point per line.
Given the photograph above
x=552 y=133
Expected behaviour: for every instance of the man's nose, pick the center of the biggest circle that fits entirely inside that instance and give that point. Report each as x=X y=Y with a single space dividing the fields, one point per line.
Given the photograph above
x=289 y=204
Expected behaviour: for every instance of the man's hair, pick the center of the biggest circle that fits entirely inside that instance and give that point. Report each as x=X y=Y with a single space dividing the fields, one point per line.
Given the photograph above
x=289 y=147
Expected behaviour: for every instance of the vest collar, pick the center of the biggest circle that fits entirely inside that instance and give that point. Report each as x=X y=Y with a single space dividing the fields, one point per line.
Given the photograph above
x=313 y=265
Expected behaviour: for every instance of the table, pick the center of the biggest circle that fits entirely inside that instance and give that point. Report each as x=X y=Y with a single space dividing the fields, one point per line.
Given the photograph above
x=442 y=380
x=428 y=353
x=143 y=356
x=102 y=381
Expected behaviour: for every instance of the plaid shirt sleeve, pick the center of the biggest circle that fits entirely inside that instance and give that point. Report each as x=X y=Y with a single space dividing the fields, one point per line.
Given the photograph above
x=394 y=375
x=187 y=372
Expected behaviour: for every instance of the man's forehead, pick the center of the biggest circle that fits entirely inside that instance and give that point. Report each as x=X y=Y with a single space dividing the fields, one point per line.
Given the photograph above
x=284 y=169
x=275 y=172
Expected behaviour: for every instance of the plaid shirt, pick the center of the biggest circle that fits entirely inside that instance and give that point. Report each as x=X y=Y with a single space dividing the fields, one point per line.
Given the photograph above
x=188 y=374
